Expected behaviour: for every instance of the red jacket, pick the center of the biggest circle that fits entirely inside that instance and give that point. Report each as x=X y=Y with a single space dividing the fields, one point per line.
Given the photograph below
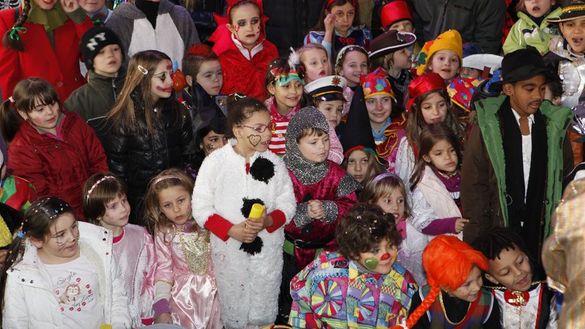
x=59 y=65
x=58 y=167
x=241 y=75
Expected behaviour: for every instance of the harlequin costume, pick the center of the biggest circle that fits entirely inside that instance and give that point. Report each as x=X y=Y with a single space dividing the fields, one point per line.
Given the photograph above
x=17 y=193
x=183 y=268
x=336 y=292
x=244 y=70
x=226 y=188
x=51 y=53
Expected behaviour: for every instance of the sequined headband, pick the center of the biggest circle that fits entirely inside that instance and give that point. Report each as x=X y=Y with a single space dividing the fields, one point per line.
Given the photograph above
x=98 y=183
x=164 y=177
x=58 y=210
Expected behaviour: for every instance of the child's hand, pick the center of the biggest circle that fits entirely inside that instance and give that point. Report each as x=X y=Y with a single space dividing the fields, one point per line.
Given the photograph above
x=316 y=210
x=69 y=6
x=255 y=225
x=329 y=22
x=460 y=224
x=241 y=233
x=164 y=318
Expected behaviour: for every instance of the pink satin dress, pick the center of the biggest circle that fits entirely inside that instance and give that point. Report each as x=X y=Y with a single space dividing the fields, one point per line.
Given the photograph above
x=184 y=260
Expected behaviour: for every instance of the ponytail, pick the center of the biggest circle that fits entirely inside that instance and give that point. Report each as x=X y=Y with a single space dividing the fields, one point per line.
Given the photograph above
x=10 y=120
x=15 y=252
x=11 y=38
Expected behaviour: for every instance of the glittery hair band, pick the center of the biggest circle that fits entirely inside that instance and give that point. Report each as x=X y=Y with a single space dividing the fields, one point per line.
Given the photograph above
x=164 y=177
x=98 y=183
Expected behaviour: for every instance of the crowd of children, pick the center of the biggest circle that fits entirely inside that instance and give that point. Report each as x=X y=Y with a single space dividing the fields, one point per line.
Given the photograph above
x=365 y=179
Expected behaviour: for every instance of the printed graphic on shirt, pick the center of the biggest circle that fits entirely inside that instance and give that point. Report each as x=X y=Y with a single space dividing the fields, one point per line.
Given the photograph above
x=74 y=293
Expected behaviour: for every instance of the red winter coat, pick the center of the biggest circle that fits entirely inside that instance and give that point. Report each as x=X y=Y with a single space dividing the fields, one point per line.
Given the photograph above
x=58 y=65
x=58 y=167
x=241 y=75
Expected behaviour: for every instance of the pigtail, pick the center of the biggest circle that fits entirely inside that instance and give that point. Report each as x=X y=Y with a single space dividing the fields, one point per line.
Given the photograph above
x=15 y=252
x=11 y=38
x=424 y=306
x=10 y=120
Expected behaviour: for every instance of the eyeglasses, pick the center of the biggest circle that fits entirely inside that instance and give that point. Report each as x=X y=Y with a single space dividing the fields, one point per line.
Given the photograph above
x=260 y=128
x=162 y=76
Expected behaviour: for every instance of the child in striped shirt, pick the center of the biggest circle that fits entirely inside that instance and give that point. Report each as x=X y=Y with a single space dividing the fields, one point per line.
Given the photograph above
x=285 y=86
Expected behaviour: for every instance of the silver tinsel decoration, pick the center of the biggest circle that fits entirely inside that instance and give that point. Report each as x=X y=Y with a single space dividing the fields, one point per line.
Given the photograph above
x=9 y=4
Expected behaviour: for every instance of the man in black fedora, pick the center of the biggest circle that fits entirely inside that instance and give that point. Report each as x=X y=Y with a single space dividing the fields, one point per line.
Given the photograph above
x=516 y=155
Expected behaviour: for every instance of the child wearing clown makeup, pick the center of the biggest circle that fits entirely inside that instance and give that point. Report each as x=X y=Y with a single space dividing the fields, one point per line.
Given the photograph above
x=360 y=285
x=323 y=190
x=523 y=297
x=242 y=48
x=339 y=26
x=148 y=130
x=442 y=55
x=453 y=297
x=247 y=253
x=285 y=85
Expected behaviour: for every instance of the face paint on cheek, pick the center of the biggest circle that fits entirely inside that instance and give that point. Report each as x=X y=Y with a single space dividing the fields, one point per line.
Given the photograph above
x=237 y=28
x=254 y=139
x=371 y=263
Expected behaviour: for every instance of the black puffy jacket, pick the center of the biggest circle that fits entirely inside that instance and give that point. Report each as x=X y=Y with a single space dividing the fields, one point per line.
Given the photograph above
x=136 y=156
x=289 y=21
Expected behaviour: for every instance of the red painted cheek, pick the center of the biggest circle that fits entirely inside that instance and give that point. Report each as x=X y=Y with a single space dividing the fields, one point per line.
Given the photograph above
x=385 y=256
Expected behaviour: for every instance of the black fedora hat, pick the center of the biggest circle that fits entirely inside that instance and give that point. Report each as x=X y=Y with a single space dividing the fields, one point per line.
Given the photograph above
x=523 y=64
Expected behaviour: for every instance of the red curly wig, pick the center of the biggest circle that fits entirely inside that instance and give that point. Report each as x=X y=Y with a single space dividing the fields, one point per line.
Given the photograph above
x=447 y=262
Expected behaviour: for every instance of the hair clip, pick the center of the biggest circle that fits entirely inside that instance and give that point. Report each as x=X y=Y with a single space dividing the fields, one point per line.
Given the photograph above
x=11 y=99
x=237 y=96
x=20 y=234
x=142 y=69
x=97 y=183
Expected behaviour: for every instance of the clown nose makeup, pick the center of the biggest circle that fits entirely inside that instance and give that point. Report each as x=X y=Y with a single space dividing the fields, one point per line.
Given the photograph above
x=371 y=263
x=385 y=256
